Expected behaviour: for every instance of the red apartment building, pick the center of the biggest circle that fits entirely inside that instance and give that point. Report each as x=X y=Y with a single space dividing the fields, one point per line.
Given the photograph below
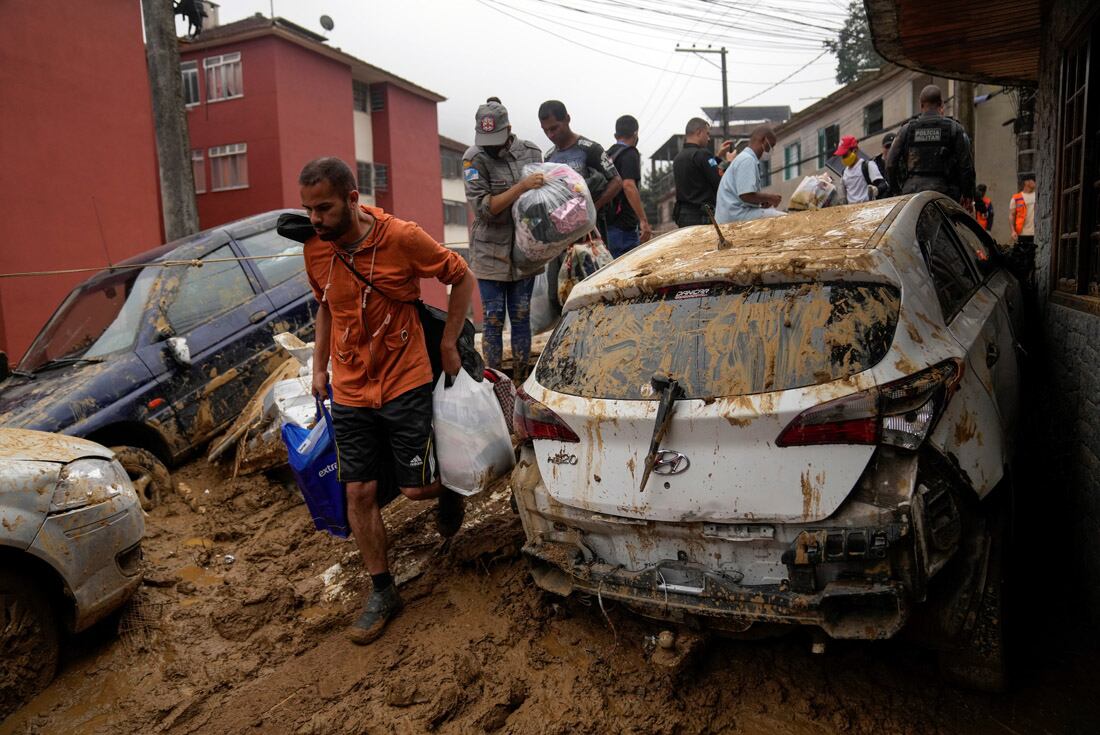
x=76 y=140
x=265 y=96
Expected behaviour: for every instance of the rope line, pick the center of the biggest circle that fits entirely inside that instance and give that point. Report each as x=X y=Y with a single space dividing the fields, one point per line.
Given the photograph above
x=191 y=263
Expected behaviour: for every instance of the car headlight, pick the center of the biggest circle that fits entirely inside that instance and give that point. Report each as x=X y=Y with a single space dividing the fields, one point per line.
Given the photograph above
x=85 y=482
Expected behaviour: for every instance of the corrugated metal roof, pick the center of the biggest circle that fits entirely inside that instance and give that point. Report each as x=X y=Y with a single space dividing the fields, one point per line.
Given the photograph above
x=452 y=144
x=996 y=43
x=750 y=113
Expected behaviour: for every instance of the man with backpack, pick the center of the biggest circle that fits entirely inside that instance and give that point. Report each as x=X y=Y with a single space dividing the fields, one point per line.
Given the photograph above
x=862 y=179
x=364 y=267
x=626 y=214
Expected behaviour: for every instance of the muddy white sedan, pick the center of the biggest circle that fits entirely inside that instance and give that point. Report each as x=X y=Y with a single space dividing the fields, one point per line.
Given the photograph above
x=70 y=533
x=806 y=420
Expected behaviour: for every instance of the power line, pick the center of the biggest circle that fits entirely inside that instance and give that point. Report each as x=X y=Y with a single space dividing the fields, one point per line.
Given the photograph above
x=662 y=9
x=754 y=36
x=497 y=8
x=773 y=86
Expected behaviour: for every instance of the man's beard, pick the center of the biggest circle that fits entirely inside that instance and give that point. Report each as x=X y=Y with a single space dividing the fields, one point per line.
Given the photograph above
x=331 y=234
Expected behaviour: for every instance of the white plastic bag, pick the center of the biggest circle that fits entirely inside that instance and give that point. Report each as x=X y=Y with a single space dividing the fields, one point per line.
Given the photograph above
x=471 y=439
x=554 y=216
x=814 y=192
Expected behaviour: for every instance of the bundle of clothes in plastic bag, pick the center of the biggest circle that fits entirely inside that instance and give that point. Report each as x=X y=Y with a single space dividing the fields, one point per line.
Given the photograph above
x=554 y=216
x=815 y=192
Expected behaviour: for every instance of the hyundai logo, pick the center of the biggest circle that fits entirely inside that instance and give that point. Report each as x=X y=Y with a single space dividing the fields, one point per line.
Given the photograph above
x=669 y=462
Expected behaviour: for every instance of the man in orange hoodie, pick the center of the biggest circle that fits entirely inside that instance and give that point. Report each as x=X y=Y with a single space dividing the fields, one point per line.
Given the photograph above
x=381 y=372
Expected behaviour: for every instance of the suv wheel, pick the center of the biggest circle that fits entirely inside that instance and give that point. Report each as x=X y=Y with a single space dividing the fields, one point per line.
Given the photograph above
x=150 y=477
x=29 y=641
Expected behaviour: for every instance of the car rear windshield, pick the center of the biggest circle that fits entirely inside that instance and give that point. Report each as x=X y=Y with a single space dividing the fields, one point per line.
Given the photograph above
x=721 y=340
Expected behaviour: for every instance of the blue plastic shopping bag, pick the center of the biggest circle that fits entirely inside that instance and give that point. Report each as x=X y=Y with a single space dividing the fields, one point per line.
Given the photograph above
x=312 y=454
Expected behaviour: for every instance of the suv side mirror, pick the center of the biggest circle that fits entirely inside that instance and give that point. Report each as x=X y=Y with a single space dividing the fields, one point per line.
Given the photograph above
x=178 y=348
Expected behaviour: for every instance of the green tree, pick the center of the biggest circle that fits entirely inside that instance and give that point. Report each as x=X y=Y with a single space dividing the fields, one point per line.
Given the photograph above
x=852 y=46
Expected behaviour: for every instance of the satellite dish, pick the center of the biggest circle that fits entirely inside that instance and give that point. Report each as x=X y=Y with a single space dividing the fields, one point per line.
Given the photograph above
x=326 y=23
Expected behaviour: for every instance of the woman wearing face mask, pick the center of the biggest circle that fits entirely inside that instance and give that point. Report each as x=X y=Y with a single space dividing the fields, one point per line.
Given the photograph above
x=862 y=179
x=493 y=172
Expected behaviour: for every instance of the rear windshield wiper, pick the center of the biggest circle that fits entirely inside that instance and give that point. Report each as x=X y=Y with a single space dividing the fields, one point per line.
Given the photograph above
x=670 y=392
x=63 y=361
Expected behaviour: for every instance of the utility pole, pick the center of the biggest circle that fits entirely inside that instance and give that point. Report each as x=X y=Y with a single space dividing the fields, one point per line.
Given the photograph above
x=177 y=183
x=725 y=90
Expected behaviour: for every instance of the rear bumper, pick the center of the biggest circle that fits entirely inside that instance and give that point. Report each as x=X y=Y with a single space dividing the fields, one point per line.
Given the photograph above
x=855 y=575
x=680 y=592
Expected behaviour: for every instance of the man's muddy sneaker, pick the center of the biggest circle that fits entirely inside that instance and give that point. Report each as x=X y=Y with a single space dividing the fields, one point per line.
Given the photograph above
x=449 y=513
x=382 y=606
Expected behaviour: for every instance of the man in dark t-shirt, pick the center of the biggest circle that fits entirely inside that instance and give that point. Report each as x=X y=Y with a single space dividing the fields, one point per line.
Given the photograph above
x=626 y=214
x=583 y=155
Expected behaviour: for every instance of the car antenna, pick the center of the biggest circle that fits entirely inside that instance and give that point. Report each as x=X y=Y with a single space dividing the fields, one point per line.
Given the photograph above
x=723 y=243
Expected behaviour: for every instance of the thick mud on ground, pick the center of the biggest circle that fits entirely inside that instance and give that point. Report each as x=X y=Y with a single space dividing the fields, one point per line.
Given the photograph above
x=239 y=629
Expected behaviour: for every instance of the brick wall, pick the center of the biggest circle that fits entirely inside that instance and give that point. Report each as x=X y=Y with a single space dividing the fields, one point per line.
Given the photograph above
x=1069 y=361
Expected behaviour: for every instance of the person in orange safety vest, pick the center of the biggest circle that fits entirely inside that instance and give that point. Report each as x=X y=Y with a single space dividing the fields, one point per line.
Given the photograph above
x=1022 y=213
x=983 y=209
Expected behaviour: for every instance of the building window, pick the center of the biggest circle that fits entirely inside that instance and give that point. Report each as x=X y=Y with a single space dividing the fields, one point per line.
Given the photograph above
x=228 y=167
x=365 y=177
x=1077 y=189
x=190 y=72
x=454 y=213
x=381 y=177
x=828 y=138
x=198 y=171
x=451 y=162
x=765 y=173
x=872 y=118
x=223 y=77
x=792 y=161
x=360 y=94
x=377 y=99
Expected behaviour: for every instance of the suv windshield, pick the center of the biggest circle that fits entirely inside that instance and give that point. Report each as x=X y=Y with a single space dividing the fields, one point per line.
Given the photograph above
x=721 y=340
x=96 y=320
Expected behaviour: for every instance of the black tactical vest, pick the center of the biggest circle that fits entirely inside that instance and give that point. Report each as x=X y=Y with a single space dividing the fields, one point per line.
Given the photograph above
x=930 y=145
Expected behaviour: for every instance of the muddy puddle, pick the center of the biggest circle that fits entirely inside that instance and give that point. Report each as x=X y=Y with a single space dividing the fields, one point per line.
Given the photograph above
x=255 y=645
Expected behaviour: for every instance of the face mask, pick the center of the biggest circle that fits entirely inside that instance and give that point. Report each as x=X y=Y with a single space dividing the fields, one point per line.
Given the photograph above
x=493 y=150
x=850 y=159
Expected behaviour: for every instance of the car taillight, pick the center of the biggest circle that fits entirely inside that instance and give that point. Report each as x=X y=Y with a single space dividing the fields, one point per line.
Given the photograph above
x=532 y=420
x=900 y=413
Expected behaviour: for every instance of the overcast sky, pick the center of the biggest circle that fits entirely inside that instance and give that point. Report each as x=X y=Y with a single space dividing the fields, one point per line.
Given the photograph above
x=603 y=58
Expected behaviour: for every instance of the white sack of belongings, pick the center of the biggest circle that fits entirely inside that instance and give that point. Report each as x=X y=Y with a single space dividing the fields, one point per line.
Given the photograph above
x=472 y=443
x=554 y=216
x=814 y=192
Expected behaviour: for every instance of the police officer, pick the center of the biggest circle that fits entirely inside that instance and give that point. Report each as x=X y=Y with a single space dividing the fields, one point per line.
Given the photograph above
x=932 y=152
x=697 y=174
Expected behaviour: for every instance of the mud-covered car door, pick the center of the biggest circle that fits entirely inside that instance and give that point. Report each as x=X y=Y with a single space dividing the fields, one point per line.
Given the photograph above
x=218 y=311
x=1002 y=349
x=278 y=265
x=970 y=313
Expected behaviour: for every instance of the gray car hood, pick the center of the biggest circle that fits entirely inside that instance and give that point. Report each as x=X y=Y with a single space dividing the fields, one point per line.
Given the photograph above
x=39 y=446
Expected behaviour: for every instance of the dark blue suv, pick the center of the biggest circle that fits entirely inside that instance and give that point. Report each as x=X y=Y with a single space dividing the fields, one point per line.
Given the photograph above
x=155 y=361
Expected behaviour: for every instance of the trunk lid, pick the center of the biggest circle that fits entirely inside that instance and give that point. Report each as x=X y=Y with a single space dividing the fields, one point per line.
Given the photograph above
x=749 y=359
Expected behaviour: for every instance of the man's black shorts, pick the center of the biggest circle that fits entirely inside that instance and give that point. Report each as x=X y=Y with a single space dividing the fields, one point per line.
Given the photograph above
x=400 y=433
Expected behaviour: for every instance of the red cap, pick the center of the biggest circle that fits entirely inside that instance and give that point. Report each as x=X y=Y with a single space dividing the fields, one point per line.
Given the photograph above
x=847 y=144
